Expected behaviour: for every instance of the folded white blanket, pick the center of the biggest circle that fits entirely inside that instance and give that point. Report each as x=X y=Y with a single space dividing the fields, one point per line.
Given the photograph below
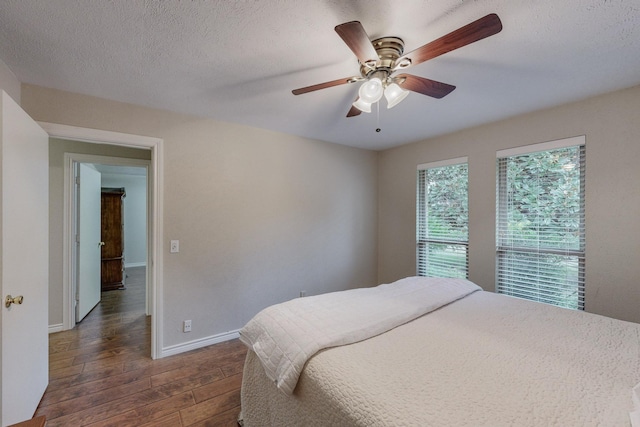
x=285 y=336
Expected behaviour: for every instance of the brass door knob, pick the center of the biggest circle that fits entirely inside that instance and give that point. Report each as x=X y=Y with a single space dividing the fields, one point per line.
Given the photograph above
x=13 y=300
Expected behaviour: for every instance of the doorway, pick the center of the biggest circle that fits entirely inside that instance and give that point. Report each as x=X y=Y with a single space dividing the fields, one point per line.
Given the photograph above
x=154 y=255
x=110 y=217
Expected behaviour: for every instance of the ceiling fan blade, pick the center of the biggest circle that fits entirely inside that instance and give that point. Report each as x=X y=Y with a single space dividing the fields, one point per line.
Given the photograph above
x=354 y=35
x=424 y=86
x=354 y=111
x=477 y=30
x=325 y=85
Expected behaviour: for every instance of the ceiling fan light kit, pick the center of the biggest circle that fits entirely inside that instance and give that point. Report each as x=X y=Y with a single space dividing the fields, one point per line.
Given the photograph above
x=381 y=58
x=362 y=105
x=394 y=94
x=371 y=91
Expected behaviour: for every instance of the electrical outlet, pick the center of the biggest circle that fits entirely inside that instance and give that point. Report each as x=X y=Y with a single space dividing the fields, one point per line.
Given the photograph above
x=175 y=246
x=186 y=326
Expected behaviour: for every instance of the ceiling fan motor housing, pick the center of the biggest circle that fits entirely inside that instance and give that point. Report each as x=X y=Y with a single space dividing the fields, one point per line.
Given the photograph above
x=389 y=49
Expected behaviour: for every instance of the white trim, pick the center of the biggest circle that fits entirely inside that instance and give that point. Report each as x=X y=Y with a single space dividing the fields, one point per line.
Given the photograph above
x=443 y=163
x=542 y=146
x=156 y=187
x=68 y=253
x=98 y=136
x=56 y=328
x=199 y=343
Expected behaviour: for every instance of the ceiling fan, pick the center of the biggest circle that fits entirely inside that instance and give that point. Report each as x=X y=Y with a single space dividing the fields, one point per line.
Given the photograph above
x=381 y=58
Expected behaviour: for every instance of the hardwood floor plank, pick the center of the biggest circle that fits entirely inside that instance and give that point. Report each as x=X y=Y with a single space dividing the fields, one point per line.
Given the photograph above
x=217 y=388
x=61 y=364
x=83 y=378
x=154 y=366
x=225 y=419
x=71 y=392
x=233 y=368
x=74 y=352
x=55 y=374
x=172 y=420
x=151 y=412
x=184 y=372
x=101 y=373
x=115 y=407
x=58 y=347
x=114 y=357
x=210 y=408
x=88 y=401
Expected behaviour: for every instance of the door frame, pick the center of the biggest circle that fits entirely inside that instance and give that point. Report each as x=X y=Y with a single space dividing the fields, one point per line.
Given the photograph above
x=154 y=223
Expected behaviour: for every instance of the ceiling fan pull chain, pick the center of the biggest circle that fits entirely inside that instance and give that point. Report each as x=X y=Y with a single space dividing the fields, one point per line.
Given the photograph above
x=378 y=117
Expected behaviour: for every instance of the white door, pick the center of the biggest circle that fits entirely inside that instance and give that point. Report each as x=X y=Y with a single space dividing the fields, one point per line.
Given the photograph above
x=88 y=288
x=24 y=149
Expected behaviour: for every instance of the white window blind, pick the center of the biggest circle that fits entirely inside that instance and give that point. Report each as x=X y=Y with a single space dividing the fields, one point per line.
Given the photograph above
x=541 y=225
x=442 y=219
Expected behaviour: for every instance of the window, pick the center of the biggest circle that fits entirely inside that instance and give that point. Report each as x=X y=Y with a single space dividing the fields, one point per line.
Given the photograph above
x=443 y=219
x=540 y=222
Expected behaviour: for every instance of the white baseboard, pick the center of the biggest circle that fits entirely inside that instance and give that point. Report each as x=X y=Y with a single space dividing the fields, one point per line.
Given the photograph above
x=135 y=264
x=56 y=328
x=199 y=343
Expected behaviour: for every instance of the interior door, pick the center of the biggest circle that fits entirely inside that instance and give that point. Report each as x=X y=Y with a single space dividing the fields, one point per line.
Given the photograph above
x=24 y=149
x=88 y=287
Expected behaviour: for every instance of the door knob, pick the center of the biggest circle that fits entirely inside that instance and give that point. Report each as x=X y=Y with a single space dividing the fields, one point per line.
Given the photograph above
x=100 y=243
x=13 y=300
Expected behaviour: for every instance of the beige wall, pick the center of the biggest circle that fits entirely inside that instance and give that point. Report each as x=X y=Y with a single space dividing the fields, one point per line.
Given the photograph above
x=57 y=148
x=260 y=215
x=9 y=83
x=611 y=124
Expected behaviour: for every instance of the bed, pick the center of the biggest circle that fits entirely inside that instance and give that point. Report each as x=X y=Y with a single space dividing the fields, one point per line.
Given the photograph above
x=480 y=359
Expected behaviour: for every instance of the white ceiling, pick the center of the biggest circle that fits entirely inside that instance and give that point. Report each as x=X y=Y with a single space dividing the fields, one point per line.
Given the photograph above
x=239 y=60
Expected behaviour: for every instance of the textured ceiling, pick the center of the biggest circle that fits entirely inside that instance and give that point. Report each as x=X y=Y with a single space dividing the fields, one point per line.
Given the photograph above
x=239 y=60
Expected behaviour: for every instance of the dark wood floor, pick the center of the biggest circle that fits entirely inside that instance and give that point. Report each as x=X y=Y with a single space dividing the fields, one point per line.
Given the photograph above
x=101 y=374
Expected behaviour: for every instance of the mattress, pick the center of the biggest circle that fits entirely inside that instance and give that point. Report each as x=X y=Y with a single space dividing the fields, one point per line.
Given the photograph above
x=483 y=360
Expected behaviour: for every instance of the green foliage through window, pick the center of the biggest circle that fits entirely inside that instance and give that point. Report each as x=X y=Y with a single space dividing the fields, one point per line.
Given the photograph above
x=443 y=221
x=540 y=226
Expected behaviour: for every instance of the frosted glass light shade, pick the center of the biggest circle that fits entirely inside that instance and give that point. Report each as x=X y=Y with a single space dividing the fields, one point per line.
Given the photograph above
x=371 y=91
x=394 y=94
x=363 y=106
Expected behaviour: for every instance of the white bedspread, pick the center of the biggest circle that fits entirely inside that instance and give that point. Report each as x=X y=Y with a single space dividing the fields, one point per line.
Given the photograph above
x=484 y=360
x=285 y=336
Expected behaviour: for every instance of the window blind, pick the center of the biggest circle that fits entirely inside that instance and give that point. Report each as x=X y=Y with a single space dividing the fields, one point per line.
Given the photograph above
x=541 y=226
x=442 y=220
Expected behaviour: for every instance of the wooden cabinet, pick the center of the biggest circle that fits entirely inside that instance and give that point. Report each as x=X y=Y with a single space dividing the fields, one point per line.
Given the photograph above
x=112 y=235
